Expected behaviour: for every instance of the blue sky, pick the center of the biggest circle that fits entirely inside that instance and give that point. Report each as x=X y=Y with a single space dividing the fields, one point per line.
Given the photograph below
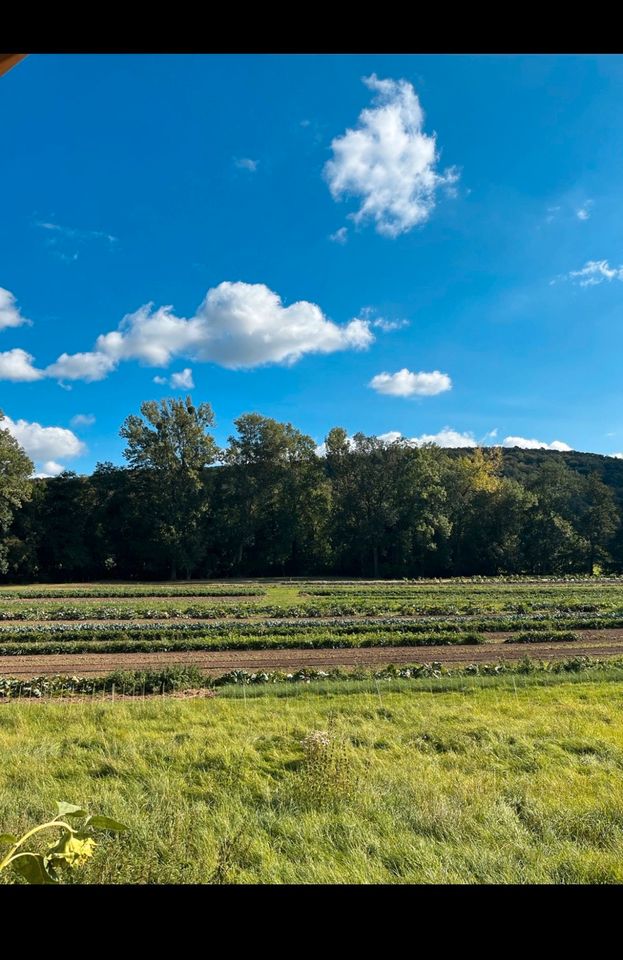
x=444 y=265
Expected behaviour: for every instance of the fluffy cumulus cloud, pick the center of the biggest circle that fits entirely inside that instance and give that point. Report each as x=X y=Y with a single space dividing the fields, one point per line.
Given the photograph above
x=16 y=365
x=405 y=383
x=388 y=162
x=89 y=366
x=45 y=445
x=535 y=444
x=10 y=315
x=238 y=325
x=594 y=272
x=617 y=456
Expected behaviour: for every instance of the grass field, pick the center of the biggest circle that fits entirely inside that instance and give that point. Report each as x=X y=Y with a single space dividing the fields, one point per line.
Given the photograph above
x=489 y=782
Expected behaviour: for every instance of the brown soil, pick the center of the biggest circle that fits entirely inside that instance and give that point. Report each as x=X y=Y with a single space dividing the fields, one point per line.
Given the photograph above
x=596 y=643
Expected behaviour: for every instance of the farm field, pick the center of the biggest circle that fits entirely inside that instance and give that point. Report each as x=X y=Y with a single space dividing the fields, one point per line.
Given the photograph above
x=92 y=629
x=493 y=782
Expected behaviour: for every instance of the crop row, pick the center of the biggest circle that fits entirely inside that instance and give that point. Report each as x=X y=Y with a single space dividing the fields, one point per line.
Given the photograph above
x=143 y=682
x=298 y=628
x=309 y=640
x=154 y=590
x=53 y=610
x=214 y=643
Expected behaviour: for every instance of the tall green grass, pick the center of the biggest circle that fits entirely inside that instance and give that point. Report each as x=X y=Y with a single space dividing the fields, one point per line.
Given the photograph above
x=476 y=785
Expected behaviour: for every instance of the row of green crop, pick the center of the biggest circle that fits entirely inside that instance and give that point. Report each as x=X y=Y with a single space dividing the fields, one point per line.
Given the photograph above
x=297 y=628
x=309 y=640
x=143 y=682
x=124 y=590
x=167 y=610
x=324 y=640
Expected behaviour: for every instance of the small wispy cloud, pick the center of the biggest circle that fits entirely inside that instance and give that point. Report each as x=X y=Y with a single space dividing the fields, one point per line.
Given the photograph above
x=74 y=233
x=584 y=212
x=552 y=214
x=64 y=242
x=82 y=420
x=594 y=272
x=246 y=163
x=388 y=326
x=340 y=236
x=382 y=323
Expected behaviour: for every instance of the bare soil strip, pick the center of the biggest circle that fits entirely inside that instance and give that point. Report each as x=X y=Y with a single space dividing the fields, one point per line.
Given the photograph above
x=594 y=643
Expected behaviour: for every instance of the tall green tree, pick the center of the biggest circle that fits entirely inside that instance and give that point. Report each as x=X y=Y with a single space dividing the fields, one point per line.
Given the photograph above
x=277 y=497
x=599 y=520
x=171 y=446
x=15 y=486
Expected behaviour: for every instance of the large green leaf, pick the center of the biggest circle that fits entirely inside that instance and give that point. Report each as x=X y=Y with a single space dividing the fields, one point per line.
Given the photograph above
x=33 y=868
x=69 y=809
x=105 y=823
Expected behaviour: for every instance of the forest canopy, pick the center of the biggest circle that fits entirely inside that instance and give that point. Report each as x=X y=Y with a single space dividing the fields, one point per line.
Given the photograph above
x=273 y=504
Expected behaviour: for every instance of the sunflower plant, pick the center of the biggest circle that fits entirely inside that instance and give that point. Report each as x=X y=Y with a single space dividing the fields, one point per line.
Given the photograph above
x=71 y=849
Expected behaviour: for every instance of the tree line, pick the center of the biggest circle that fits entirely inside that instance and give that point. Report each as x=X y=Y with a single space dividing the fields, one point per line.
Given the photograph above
x=269 y=505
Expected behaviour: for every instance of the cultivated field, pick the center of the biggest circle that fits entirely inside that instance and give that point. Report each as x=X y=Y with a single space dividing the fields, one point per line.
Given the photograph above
x=92 y=629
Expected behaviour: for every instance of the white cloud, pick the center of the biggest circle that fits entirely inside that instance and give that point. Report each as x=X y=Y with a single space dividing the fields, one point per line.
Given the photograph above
x=82 y=420
x=51 y=469
x=182 y=380
x=551 y=214
x=45 y=444
x=617 y=456
x=245 y=163
x=388 y=326
x=584 y=212
x=89 y=367
x=388 y=162
x=535 y=444
x=404 y=383
x=594 y=272
x=340 y=236
x=445 y=438
x=390 y=437
x=237 y=325
x=10 y=315
x=17 y=365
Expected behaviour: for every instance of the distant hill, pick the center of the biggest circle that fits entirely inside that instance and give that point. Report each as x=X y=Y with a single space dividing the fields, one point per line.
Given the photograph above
x=518 y=463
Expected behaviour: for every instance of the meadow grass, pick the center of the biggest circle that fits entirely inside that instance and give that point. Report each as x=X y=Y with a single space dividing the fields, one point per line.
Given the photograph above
x=511 y=780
